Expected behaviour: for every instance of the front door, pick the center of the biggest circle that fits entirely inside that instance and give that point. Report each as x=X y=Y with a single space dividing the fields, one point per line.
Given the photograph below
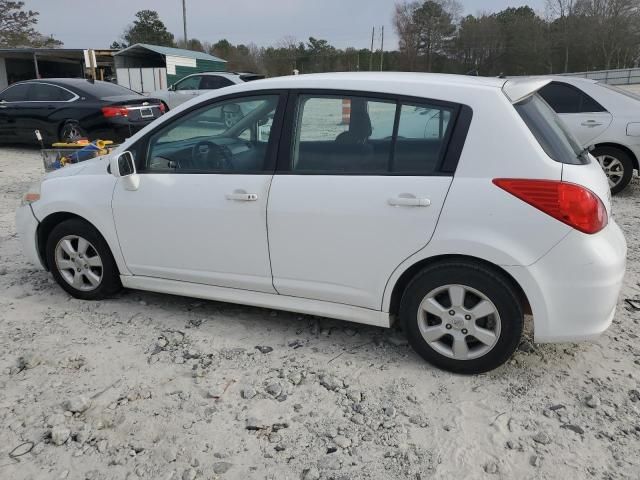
x=199 y=214
x=184 y=90
x=360 y=191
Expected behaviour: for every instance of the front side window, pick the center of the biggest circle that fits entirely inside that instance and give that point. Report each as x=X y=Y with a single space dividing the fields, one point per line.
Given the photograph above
x=16 y=93
x=189 y=83
x=226 y=137
x=550 y=131
x=352 y=134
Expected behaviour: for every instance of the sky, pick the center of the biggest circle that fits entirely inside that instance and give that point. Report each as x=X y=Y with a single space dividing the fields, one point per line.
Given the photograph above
x=97 y=23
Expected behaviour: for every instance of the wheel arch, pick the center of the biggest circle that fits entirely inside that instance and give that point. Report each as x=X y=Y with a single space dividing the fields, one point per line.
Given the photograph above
x=625 y=149
x=47 y=225
x=413 y=270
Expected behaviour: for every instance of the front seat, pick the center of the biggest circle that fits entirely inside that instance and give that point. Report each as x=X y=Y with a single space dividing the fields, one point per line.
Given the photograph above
x=353 y=152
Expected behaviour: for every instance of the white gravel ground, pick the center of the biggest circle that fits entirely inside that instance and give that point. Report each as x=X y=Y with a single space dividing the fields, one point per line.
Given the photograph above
x=158 y=387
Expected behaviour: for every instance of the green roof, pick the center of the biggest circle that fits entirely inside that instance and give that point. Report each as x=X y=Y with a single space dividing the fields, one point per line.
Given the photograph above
x=139 y=48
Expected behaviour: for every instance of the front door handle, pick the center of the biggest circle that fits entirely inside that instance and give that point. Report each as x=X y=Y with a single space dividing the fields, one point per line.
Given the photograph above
x=242 y=196
x=408 y=200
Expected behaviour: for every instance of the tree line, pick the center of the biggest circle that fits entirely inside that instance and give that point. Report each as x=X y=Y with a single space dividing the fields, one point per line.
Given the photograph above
x=569 y=36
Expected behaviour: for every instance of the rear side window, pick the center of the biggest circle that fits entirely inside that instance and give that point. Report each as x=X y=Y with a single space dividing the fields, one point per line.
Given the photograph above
x=48 y=93
x=364 y=135
x=211 y=82
x=16 y=93
x=551 y=133
x=565 y=98
x=99 y=89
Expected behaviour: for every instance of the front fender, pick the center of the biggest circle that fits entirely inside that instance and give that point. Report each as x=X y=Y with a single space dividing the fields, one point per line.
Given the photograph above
x=87 y=196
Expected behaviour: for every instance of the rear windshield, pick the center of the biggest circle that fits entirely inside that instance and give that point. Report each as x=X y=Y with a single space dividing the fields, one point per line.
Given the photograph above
x=100 y=89
x=552 y=134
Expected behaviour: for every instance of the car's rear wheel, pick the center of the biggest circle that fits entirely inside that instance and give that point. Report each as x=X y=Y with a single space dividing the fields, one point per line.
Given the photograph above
x=462 y=316
x=617 y=165
x=71 y=132
x=81 y=261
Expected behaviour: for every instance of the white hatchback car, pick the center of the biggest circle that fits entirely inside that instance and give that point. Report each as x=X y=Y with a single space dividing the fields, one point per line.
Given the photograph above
x=602 y=117
x=454 y=204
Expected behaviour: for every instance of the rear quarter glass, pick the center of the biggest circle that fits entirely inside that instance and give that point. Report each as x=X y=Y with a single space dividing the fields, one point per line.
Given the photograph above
x=550 y=132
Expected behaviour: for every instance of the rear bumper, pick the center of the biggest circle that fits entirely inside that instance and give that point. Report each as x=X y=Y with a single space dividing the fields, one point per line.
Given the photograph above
x=27 y=228
x=573 y=290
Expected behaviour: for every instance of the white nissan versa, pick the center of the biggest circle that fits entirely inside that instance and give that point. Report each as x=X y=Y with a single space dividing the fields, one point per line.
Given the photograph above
x=451 y=203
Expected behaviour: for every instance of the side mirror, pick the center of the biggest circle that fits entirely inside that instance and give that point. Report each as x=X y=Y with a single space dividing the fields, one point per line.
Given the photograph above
x=123 y=166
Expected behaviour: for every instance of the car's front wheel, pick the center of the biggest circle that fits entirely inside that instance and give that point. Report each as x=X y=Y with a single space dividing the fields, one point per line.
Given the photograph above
x=617 y=165
x=81 y=261
x=462 y=316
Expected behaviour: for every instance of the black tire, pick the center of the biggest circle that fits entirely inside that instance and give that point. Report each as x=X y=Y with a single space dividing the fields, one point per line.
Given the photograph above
x=623 y=178
x=493 y=285
x=72 y=131
x=109 y=276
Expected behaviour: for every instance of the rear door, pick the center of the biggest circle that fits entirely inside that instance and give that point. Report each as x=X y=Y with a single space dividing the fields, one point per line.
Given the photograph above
x=44 y=102
x=356 y=194
x=582 y=114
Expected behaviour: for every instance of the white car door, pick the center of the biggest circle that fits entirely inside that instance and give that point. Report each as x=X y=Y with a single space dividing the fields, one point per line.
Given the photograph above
x=355 y=196
x=199 y=213
x=582 y=114
x=184 y=90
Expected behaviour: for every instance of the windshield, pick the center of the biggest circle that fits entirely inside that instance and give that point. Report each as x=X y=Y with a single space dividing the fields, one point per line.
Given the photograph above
x=622 y=91
x=552 y=134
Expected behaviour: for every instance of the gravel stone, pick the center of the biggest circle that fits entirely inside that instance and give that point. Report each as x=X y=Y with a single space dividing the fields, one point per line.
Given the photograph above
x=60 y=434
x=342 y=441
x=221 y=467
x=593 y=401
x=310 y=474
x=542 y=438
x=77 y=404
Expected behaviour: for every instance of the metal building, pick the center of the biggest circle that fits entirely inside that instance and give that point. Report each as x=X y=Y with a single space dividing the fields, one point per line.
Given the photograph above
x=145 y=68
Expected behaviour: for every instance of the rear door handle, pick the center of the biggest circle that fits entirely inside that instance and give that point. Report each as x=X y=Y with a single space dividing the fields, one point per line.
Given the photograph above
x=406 y=200
x=590 y=123
x=242 y=196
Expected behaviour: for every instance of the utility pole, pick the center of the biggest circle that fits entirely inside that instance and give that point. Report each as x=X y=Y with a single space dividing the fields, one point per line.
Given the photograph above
x=373 y=32
x=184 y=22
x=381 y=48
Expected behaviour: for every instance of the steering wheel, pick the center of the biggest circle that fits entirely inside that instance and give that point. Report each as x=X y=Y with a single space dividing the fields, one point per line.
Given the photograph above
x=207 y=155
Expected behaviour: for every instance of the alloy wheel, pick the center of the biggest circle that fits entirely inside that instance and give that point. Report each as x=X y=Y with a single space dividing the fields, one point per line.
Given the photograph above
x=459 y=322
x=79 y=263
x=613 y=168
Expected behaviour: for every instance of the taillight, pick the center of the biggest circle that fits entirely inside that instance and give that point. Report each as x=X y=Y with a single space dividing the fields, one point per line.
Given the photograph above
x=115 y=112
x=572 y=204
x=162 y=108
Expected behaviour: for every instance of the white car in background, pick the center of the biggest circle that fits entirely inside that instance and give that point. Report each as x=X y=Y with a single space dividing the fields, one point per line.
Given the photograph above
x=603 y=117
x=413 y=207
x=198 y=83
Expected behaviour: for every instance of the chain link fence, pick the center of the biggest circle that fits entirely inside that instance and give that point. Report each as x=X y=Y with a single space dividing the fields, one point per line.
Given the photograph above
x=623 y=76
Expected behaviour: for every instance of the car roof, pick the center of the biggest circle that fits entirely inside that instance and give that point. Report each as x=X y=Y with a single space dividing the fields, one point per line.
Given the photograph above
x=307 y=80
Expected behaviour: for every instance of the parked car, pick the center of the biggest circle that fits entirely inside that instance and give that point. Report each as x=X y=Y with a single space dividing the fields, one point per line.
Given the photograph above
x=67 y=109
x=198 y=83
x=601 y=116
x=416 y=208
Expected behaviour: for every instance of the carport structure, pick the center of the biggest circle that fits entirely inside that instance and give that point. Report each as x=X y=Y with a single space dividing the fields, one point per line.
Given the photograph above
x=18 y=64
x=145 y=68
